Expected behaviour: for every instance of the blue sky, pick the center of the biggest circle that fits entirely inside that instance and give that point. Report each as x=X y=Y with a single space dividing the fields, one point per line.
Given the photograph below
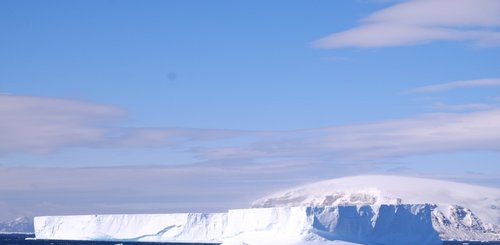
x=224 y=98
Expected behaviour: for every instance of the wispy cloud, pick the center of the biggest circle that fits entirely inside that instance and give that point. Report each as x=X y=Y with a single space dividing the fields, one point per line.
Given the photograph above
x=424 y=134
x=42 y=125
x=490 y=82
x=423 y=21
x=463 y=107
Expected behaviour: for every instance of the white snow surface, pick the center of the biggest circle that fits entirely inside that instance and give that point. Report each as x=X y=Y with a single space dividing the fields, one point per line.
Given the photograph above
x=355 y=210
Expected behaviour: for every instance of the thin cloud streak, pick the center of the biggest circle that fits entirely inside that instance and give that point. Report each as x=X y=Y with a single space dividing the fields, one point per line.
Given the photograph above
x=490 y=82
x=463 y=107
x=423 y=21
x=44 y=125
x=425 y=134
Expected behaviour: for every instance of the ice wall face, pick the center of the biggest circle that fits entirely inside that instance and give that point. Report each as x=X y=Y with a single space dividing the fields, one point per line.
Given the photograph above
x=387 y=224
x=366 y=224
x=267 y=225
x=189 y=227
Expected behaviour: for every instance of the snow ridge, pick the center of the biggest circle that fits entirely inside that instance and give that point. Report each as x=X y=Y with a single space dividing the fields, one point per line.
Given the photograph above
x=459 y=223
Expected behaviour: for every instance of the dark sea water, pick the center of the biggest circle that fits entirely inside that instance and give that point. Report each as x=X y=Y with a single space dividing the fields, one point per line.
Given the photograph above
x=20 y=239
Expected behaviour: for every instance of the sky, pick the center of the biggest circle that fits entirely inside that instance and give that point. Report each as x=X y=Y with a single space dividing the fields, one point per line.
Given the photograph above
x=175 y=106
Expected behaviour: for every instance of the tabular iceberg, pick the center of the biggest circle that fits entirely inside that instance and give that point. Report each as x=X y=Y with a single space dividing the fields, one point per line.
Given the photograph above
x=338 y=210
x=181 y=227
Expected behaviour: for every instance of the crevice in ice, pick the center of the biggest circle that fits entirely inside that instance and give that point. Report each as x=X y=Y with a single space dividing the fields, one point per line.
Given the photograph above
x=157 y=235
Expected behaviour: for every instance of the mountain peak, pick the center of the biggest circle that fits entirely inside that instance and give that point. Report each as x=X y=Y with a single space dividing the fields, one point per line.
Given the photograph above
x=21 y=224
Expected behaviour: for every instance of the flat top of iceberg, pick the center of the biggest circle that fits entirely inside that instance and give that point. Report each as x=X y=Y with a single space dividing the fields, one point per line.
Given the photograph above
x=381 y=189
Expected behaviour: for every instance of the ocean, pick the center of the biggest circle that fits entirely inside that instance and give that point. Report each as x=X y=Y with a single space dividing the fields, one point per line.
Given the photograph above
x=20 y=239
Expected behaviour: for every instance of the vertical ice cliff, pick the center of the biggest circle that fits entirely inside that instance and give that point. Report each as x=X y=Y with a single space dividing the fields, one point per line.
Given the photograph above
x=407 y=224
x=182 y=227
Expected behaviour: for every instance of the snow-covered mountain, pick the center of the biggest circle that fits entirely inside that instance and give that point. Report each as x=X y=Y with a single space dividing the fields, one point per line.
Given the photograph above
x=20 y=225
x=458 y=211
x=382 y=189
x=360 y=210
